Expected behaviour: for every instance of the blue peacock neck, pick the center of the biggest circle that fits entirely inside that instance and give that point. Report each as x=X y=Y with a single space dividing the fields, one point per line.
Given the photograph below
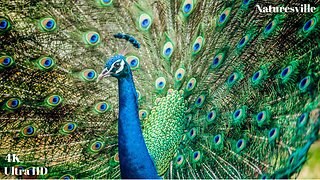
x=135 y=161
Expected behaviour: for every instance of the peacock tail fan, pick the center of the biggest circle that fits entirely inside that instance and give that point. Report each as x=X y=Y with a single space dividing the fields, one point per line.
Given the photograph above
x=224 y=91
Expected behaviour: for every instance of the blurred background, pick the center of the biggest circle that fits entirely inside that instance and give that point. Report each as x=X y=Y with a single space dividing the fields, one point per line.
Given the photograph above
x=311 y=169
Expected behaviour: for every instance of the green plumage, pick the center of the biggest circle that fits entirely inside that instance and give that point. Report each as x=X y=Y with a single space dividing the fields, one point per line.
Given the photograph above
x=224 y=91
x=164 y=128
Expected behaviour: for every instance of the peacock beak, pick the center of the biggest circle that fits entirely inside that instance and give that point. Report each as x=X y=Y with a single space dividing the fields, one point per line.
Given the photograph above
x=105 y=73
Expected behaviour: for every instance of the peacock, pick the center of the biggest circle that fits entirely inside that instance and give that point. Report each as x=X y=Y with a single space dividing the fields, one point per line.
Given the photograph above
x=172 y=89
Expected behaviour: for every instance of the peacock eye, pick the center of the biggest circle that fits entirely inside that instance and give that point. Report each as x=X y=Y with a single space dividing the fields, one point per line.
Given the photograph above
x=145 y=21
x=105 y=3
x=28 y=131
x=91 y=38
x=196 y=156
x=117 y=65
x=179 y=160
x=310 y=25
x=45 y=63
x=67 y=176
x=273 y=134
x=68 y=128
x=13 y=103
x=240 y=145
x=6 y=61
x=96 y=146
x=102 y=107
x=47 y=24
x=224 y=16
x=53 y=100
x=133 y=62
x=187 y=7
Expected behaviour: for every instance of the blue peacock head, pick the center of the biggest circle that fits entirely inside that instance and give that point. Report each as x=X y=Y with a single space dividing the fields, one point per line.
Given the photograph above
x=116 y=66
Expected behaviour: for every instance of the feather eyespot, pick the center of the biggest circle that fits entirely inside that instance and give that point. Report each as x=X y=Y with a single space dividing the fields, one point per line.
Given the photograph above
x=217 y=139
x=217 y=142
x=224 y=16
x=143 y=114
x=257 y=77
x=5 y=25
x=240 y=145
x=116 y=157
x=286 y=73
x=69 y=128
x=96 y=146
x=302 y=120
x=67 y=177
x=196 y=156
x=191 y=84
x=211 y=116
x=89 y=75
x=304 y=83
x=245 y=2
x=167 y=50
x=200 y=101
x=179 y=75
x=28 y=131
x=192 y=133
x=264 y=176
x=217 y=60
x=243 y=41
x=105 y=3
x=273 y=134
x=160 y=83
x=6 y=61
x=133 y=62
x=197 y=45
x=145 y=21
x=239 y=116
x=232 y=79
x=48 y=24
x=45 y=63
x=179 y=160
x=53 y=100
x=187 y=7
x=101 y=107
x=13 y=104
x=310 y=25
x=270 y=27
x=91 y=38
x=261 y=116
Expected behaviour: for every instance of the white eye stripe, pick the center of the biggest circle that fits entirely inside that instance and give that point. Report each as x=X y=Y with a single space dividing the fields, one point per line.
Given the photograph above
x=112 y=66
x=122 y=63
x=121 y=67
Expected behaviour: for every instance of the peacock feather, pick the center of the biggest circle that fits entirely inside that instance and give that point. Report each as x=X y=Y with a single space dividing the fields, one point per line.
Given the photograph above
x=184 y=89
